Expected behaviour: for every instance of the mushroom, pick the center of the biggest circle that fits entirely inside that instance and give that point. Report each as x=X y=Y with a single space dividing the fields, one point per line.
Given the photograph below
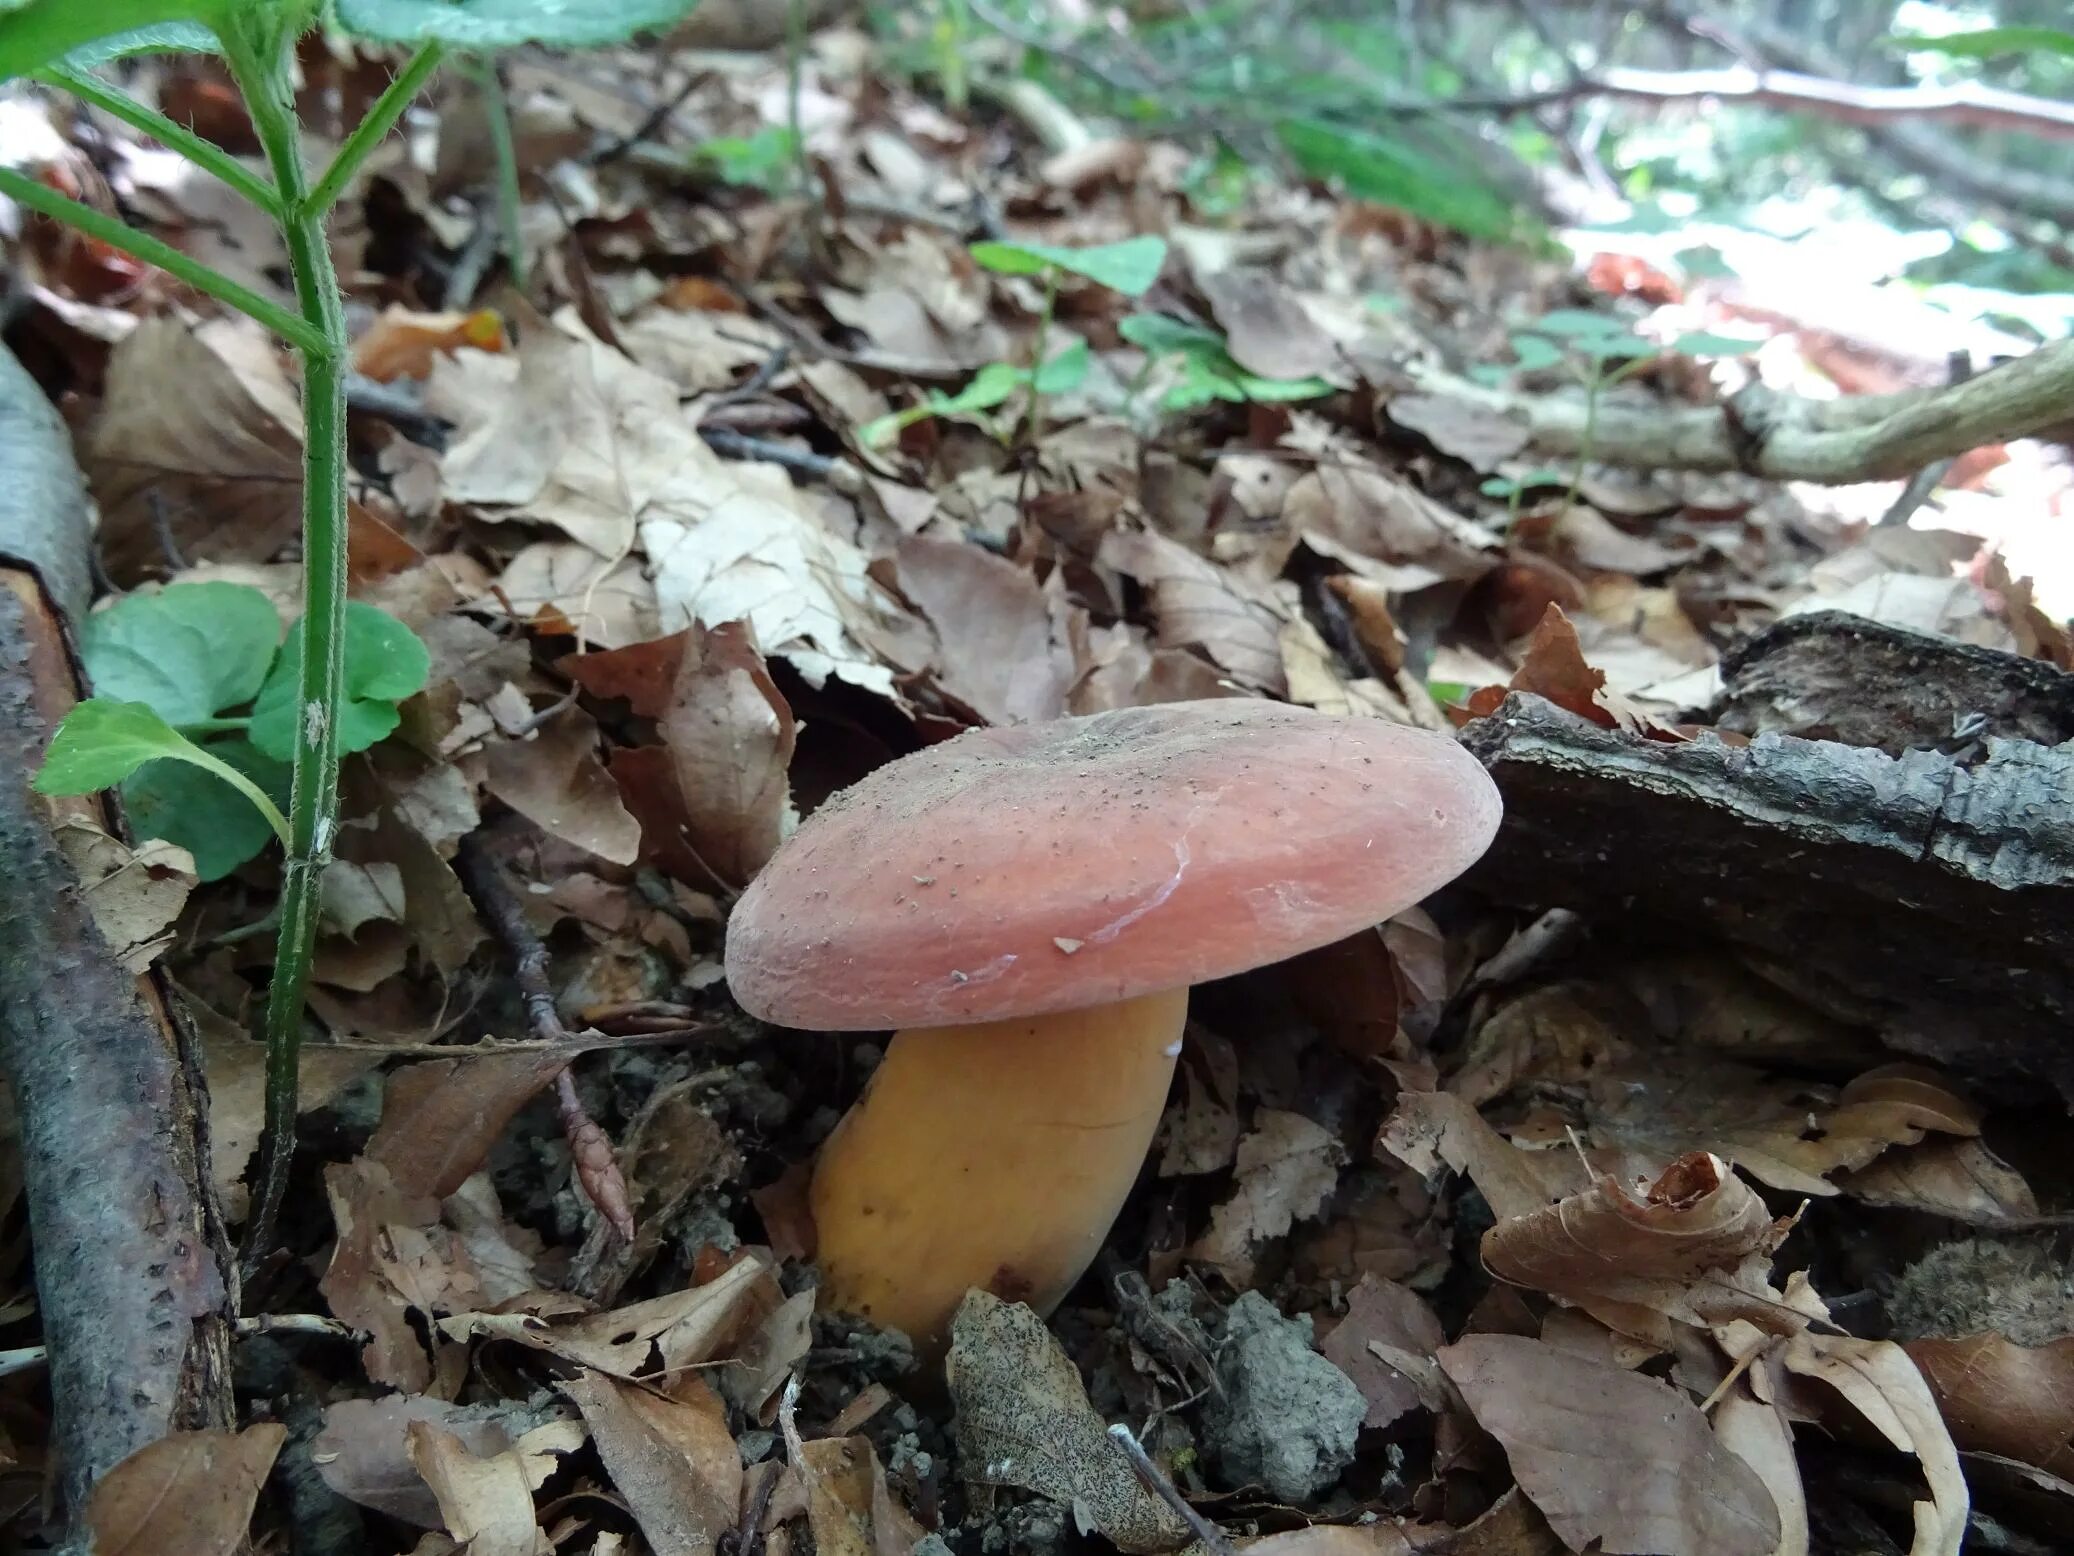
x=1028 y=906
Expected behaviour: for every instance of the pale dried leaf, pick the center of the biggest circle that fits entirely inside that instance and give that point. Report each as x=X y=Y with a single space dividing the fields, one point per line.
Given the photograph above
x=1377 y=1539
x=1382 y=1317
x=673 y=1459
x=1961 y=1180
x=1285 y=1170
x=561 y=585
x=188 y=1494
x=1471 y=431
x=441 y=1116
x=1758 y=1433
x=1266 y=329
x=1023 y=1419
x=134 y=895
x=486 y=1503
x=363 y=1452
x=1610 y=1455
x=1199 y=604
x=1000 y=653
x=234 y=1065
x=555 y=780
x=392 y=1259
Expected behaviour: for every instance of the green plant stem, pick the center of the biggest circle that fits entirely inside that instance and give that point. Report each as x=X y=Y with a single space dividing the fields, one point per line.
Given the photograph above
x=210 y=158
x=215 y=726
x=368 y=134
x=510 y=203
x=313 y=790
x=1033 y=415
x=46 y=201
x=956 y=38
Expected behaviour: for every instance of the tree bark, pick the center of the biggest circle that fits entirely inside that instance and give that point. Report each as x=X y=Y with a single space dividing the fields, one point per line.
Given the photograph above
x=130 y=1262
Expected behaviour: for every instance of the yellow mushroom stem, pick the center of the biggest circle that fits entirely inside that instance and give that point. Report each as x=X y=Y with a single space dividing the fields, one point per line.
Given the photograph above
x=995 y=1155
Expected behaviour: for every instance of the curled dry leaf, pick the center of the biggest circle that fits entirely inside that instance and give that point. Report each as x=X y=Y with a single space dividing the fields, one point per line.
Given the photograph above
x=135 y=894
x=2004 y=1398
x=1758 y=1432
x=1024 y=1420
x=1612 y=1456
x=1000 y=651
x=188 y=1494
x=669 y=1454
x=1201 y=605
x=363 y=1452
x=713 y=799
x=1961 y=1180
x=555 y=780
x=1554 y=667
x=392 y=1260
x=485 y=1503
x=1433 y=1129
x=1285 y=1171
x=1881 y=1384
x=1383 y=1318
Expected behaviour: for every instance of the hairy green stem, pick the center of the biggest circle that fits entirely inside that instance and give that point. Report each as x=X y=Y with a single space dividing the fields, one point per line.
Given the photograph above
x=1033 y=417
x=45 y=201
x=381 y=118
x=504 y=147
x=313 y=790
x=207 y=156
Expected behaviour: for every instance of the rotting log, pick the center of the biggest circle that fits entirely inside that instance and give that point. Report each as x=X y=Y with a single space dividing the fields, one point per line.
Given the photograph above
x=131 y=1261
x=1929 y=895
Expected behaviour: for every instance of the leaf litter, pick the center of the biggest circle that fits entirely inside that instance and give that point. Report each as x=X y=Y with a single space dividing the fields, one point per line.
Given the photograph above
x=1539 y=1255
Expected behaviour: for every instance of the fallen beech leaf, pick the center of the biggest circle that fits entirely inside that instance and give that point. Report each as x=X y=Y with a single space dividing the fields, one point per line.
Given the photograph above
x=849 y=1508
x=206 y=428
x=1199 y=604
x=235 y=1068
x=713 y=800
x=672 y=1458
x=1758 y=1432
x=1023 y=1419
x=133 y=894
x=188 y=1494
x=2004 y=1398
x=1001 y=653
x=1383 y=1316
x=1512 y=1526
x=364 y=1455
x=1381 y=526
x=1554 y=667
x=1266 y=329
x=1432 y=1129
x=1961 y=1180
x=1880 y=1382
x=1284 y=1170
x=1612 y=1456
x=1476 y=434
x=562 y=586
x=667 y=1333
x=392 y=1259
x=1594 y=543
x=441 y=1116
x=486 y=1504
x=555 y=780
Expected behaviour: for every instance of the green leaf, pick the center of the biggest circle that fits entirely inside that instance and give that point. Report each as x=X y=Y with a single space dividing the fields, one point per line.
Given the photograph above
x=760 y=161
x=1065 y=372
x=385 y=663
x=159 y=38
x=101 y=743
x=193 y=807
x=43 y=32
x=1580 y=324
x=989 y=387
x=1129 y=267
x=189 y=651
x=1162 y=336
x=506 y=24
x=1987 y=42
x=1703 y=343
x=1208 y=371
x=1534 y=353
x=1372 y=167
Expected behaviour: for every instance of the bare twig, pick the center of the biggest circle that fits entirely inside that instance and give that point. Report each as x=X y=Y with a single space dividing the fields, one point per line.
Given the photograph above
x=1149 y=1475
x=591 y=1152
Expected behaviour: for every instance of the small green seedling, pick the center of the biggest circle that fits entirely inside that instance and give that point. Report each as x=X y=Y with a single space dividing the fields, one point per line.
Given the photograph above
x=1207 y=371
x=61 y=43
x=1129 y=267
x=765 y=160
x=1600 y=352
x=195 y=713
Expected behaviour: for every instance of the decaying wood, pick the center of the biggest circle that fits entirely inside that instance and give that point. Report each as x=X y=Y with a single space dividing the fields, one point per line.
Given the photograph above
x=1927 y=897
x=1866 y=437
x=130 y=1265
x=1829 y=675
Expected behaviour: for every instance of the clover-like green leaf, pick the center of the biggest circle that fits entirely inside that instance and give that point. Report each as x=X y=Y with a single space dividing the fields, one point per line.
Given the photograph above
x=190 y=651
x=1129 y=267
x=385 y=663
x=101 y=743
x=1065 y=372
x=506 y=24
x=198 y=810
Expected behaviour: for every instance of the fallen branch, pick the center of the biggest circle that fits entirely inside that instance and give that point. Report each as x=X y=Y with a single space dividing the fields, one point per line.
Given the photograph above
x=1868 y=437
x=131 y=1264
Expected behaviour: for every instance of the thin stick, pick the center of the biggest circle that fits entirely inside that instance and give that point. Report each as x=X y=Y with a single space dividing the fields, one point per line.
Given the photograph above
x=596 y=1168
x=1150 y=1477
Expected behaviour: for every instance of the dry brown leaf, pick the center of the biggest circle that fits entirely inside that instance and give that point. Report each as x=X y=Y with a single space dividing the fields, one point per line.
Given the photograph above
x=1612 y=1456
x=135 y=894
x=1382 y=527
x=441 y=1116
x=1881 y=1384
x=665 y=1334
x=1001 y=652
x=392 y=1259
x=403 y=343
x=1201 y=1131
x=1512 y=1526
x=188 y=1494
x=2001 y=1397
x=555 y=780
x=562 y=586
x=672 y=1458
x=486 y=1503
x=1376 y=1539
x=1199 y=604
x=849 y=1508
x=1758 y=1432
x=235 y=1068
x=1023 y=1419
x=698 y=350
x=1382 y=1313
x=713 y=801
x=1266 y=329
x=1285 y=1170
x=1554 y=667
x=1961 y=1180
x=1593 y=543
x=216 y=448
x=1432 y=1129
x=363 y=1452
x=1472 y=432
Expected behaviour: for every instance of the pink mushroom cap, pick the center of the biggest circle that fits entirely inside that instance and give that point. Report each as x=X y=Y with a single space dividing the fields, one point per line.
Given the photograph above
x=1047 y=867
